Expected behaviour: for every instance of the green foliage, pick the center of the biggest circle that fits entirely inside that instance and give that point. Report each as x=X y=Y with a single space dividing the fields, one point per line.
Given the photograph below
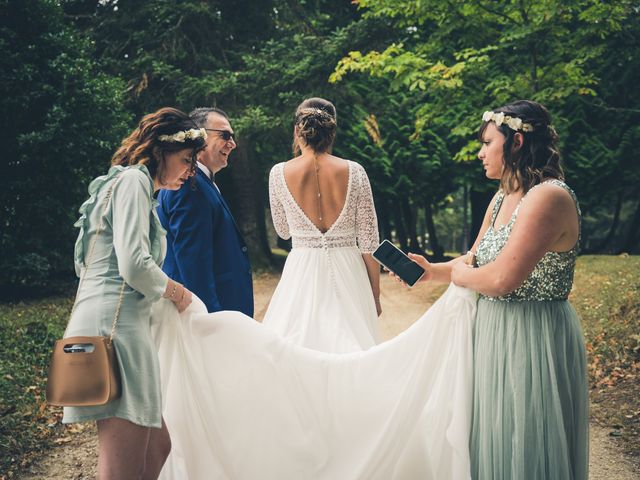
x=575 y=57
x=606 y=295
x=79 y=71
x=27 y=334
x=63 y=118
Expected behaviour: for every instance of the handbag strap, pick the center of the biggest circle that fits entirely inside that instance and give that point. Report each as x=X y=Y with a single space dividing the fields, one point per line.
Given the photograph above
x=87 y=263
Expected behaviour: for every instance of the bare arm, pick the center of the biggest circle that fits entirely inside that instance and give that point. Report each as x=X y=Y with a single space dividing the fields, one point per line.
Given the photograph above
x=547 y=221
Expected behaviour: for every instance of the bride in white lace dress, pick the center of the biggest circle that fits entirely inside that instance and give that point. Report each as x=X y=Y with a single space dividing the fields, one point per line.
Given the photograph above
x=328 y=295
x=244 y=403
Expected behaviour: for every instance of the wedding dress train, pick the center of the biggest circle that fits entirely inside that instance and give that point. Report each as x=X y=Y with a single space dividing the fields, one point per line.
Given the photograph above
x=241 y=402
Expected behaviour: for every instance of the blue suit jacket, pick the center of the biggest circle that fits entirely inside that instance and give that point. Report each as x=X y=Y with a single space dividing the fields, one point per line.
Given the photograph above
x=205 y=250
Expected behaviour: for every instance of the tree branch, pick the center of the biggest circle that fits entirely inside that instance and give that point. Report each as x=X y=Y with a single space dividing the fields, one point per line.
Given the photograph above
x=497 y=13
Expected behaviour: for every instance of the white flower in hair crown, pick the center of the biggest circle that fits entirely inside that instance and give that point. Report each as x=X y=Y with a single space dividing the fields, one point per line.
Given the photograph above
x=181 y=136
x=514 y=123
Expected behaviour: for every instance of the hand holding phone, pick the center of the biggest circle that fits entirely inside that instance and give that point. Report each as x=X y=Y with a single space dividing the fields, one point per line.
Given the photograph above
x=393 y=259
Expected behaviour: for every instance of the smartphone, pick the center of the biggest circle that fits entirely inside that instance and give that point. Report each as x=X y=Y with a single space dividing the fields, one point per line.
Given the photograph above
x=392 y=258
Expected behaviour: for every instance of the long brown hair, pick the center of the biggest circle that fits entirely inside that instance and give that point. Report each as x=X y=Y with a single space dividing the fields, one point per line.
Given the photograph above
x=538 y=158
x=144 y=147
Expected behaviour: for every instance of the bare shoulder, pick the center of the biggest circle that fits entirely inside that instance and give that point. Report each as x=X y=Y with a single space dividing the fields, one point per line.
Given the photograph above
x=337 y=164
x=292 y=165
x=338 y=160
x=549 y=200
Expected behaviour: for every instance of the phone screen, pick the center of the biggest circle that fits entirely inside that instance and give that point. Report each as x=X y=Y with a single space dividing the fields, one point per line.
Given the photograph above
x=393 y=259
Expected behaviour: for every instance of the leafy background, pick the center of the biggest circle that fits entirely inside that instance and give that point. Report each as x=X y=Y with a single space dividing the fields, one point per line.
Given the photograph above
x=410 y=80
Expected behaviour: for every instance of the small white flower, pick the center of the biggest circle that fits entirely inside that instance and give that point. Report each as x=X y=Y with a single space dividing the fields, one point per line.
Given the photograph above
x=498 y=118
x=486 y=116
x=514 y=123
x=180 y=136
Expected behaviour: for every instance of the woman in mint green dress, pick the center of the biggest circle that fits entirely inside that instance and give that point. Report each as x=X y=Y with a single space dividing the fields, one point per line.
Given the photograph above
x=119 y=251
x=530 y=402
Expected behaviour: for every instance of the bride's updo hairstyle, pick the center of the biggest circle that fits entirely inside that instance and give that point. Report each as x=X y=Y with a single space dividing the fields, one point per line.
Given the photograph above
x=315 y=125
x=144 y=145
x=538 y=158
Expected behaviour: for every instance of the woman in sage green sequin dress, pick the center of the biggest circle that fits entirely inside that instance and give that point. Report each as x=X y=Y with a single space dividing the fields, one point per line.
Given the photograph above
x=530 y=402
x=119 y=251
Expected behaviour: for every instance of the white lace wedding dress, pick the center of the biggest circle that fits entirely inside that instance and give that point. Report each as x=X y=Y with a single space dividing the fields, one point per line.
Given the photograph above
x=324 y=299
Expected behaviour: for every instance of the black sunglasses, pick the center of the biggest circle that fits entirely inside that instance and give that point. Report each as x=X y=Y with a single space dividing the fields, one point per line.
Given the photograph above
x=226 y=135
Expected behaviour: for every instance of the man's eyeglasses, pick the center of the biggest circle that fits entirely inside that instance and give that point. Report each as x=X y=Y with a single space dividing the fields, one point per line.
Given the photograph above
x=226 y=135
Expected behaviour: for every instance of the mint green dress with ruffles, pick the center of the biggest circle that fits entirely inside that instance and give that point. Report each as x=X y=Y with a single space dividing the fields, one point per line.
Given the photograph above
x=530 y=403
x=131 y=246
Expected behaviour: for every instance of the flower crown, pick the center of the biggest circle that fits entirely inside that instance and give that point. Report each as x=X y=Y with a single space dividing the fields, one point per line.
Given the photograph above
x=192 y=134
x=514 y=123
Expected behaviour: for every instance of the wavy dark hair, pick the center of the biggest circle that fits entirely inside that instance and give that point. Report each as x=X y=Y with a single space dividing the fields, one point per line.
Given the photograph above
x=316 y=125
x=144 y=147
x=538 y=158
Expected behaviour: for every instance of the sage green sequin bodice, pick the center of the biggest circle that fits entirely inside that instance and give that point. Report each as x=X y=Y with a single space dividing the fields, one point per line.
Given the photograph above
x=552 y=277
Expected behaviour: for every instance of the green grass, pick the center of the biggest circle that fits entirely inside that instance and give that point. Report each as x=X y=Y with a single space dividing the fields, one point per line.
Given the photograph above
x=27 y=334
x=606 y=295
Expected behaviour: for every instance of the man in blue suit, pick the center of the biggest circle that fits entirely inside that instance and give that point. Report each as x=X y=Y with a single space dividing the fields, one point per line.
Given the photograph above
x=205 y=250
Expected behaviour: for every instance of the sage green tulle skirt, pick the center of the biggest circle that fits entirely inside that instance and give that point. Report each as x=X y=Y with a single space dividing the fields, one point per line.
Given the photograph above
x=530 y=403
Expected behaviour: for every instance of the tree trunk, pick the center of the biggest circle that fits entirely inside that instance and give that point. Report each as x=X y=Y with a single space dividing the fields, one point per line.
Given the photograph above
x=409 y=215
x=399 y=224
x=384 y=222
x=245 y=198
x=438 y=251
x=465 y=220
x=612 y=230
x=479 y=203
x=631 y=241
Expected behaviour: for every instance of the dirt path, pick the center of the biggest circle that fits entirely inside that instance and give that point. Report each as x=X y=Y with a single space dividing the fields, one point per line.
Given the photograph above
x=75 y=456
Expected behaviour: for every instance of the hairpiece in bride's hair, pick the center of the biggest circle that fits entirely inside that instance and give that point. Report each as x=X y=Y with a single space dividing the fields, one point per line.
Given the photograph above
x=315 y=111
x=191 y=134
x=514 y=123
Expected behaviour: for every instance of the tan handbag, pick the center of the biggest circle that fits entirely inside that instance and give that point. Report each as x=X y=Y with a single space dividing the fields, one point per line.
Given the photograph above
x=84 y=370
